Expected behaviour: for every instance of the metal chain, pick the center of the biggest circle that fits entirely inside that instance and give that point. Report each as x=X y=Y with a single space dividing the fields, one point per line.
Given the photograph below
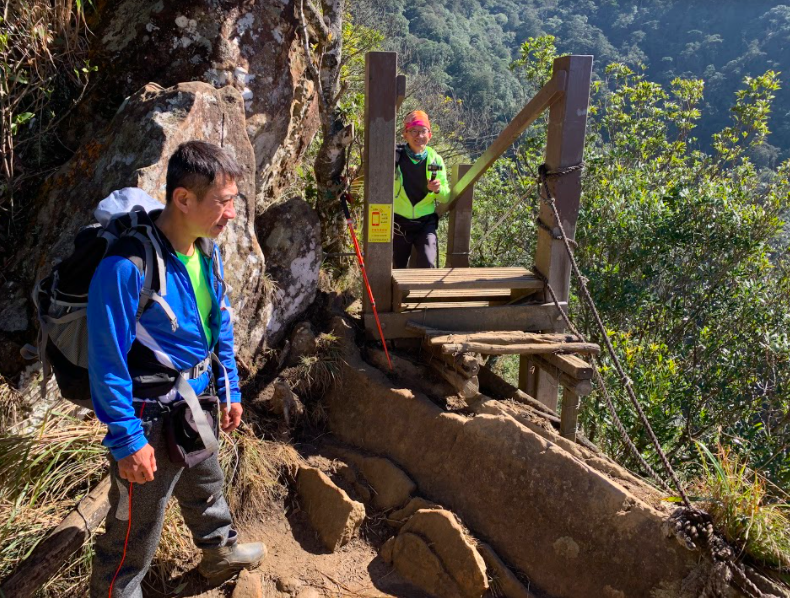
x=543 y=175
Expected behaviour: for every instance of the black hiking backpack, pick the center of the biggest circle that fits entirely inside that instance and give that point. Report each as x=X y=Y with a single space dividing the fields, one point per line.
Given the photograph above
x=62 y=297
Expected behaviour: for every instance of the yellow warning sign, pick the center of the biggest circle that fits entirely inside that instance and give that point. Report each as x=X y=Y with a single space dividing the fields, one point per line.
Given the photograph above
x=379 y=223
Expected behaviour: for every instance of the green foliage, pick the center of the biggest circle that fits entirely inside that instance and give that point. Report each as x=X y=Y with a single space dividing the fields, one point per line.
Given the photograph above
x=751 y=117
x=357 y=40
x=467 y=46
x=739 y=503
x=686 y=259
x=20 y=119
x=678 y=249
x=536 y=58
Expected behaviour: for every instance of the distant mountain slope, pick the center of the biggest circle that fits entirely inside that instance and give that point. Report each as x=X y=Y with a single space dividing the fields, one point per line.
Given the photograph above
x=468 y=45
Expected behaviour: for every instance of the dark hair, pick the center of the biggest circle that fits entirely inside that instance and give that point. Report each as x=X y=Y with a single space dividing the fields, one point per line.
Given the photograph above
x=195 y=165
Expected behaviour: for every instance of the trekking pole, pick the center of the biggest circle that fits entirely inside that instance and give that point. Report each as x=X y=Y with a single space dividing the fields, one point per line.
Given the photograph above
x=344 y=201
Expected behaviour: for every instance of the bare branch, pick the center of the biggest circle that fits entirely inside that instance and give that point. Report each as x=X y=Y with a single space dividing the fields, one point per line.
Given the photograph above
x=343 y=89
x=314 y=74
x=317 y=21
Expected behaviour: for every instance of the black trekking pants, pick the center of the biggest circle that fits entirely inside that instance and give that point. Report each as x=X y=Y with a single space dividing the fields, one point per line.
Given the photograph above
x=418 y=235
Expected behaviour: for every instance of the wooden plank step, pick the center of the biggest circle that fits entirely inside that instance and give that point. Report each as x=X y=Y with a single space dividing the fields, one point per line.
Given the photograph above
x=462 y=297
x=433 y=273
x=528 y=318
x=409 y=307
x=463 y=278
x=456 y=295
x=520 y=349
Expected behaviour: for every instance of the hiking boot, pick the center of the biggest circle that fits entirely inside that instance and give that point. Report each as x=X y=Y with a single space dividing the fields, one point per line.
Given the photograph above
x=218 y=564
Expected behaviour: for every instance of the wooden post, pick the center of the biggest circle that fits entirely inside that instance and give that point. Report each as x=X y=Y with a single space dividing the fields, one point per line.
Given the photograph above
x=381 y=91
x=50 y=554
x=545 y=387
x=459 y=230
x=564 y=147
x=570 y=414
x=400 y=85
x=527 y=376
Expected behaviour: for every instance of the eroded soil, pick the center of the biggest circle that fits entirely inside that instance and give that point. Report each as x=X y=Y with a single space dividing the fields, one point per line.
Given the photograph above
x=298 y=561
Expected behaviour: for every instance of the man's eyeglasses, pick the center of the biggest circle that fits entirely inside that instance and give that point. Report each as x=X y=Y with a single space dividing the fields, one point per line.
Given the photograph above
x=233 y=198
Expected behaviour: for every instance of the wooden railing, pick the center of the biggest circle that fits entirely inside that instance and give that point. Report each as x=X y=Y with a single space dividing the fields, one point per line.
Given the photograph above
x=548 y=94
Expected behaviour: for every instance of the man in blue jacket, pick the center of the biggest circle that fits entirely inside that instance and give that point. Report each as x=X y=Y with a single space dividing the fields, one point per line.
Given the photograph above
x=142 y=365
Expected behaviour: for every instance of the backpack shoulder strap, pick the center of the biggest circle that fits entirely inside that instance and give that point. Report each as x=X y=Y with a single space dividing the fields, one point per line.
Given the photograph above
x=155 y=257
x=399 y=149
x=140 y=246
x=218 y=270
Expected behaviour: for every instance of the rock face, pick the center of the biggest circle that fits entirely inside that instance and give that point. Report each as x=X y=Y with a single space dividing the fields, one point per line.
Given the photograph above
x=249 y=47
x=541 y=509
x=290 y=235
x=392 y=488
x=433 y=551
x=252 y=46
x=333 y=515
x=414 y=559
x=399 y=517
x=450 y=543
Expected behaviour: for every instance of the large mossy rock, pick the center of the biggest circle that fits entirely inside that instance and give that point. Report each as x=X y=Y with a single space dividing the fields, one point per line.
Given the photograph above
x=133 y=152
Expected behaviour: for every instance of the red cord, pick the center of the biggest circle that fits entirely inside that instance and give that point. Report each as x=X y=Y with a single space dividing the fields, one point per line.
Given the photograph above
x=367 y=284
x=128 y=531
x=125 y=543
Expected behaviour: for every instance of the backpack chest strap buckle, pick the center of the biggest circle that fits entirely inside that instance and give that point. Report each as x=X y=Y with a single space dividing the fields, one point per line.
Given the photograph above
x=199 y=369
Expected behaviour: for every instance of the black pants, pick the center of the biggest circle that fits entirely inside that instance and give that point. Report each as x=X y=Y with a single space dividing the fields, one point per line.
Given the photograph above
x=417 y=234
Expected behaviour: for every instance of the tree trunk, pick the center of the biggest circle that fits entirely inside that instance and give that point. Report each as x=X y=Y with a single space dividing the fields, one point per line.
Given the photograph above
x=329 y=165
x=327 y=29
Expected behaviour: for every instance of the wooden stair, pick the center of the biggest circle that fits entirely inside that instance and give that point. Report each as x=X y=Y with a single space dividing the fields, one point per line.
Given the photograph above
x=470 y=287
x=555 y=353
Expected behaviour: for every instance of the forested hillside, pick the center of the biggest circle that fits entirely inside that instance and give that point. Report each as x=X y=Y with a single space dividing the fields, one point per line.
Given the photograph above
x=467 y=46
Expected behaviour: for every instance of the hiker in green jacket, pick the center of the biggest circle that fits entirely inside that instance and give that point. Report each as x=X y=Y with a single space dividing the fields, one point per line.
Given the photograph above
x=420 y=183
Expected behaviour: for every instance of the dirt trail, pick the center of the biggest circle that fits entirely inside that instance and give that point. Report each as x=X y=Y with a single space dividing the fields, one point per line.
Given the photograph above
x=298 y=560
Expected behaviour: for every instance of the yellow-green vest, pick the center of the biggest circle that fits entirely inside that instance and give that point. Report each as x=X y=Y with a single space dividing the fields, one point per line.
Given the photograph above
x=427 y=205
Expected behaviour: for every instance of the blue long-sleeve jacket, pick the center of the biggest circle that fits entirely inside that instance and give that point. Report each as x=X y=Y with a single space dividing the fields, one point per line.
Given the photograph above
x=113 y=300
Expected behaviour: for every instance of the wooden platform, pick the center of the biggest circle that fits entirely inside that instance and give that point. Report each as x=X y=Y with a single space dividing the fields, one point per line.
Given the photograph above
x=462 y=286
x=529 y=318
